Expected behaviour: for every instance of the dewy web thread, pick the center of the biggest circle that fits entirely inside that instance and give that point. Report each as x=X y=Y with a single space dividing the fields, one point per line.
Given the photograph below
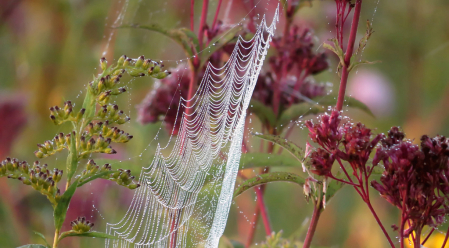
x=185 y=198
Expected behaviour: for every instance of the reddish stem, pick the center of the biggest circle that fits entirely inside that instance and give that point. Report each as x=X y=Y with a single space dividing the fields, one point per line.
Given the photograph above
x=216 y=15
x=313 y=224
x=202 y=23
x=263 y=210
x=380 y=223
x=348 y=55
x=343 y=181
x=428 y=236
x=192 y=13
x=445 y=239
x=252 y=230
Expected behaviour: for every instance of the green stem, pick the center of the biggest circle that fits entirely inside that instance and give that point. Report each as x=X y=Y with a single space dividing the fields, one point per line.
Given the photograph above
x=56 y=239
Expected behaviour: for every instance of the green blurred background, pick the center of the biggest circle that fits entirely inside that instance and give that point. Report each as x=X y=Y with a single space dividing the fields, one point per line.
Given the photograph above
x=49 y=50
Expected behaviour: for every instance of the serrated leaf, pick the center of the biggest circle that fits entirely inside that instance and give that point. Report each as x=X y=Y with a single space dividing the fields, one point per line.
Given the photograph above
x=251 y=160
x=43 y=238
x=295 y=150
x=268 y=178
x=264 y=113
x=217 y=43
x=32 y=246
x=87 y=234
x=63 y=204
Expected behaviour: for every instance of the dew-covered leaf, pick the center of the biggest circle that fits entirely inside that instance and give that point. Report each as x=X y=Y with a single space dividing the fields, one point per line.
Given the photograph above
x=251 y=160
x=268 y=178
x=264 y=113
x=295 y=150
x=320 y=105
x=87 y=234
x=177 y=35
x=333 y=187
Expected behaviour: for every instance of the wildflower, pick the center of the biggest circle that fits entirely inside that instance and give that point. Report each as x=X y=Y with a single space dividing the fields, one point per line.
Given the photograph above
x=415 y=178
x=327 y=132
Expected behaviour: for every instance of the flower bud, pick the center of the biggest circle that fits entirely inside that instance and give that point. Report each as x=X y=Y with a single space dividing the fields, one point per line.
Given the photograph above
x=103 y=63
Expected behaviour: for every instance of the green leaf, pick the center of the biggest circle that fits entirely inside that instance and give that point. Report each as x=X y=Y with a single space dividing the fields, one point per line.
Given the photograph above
x=264 y=113
x=43 y=238
x=87 y=234
x=72 y=159
x=217 y=43
x=63 y=204
x=192 y=36
x=98 y=175
x=89 y=104
x=268 y=178
x=319 y=106
x=295 y=150
x=32 y=246
x=251 y=160
x=177 y=35
x=333 y=187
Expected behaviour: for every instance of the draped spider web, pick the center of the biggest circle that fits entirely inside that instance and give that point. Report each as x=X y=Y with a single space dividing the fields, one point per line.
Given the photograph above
x=185 y=197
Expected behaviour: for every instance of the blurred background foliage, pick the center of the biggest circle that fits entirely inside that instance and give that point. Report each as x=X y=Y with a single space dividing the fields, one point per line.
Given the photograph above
x=49 y=50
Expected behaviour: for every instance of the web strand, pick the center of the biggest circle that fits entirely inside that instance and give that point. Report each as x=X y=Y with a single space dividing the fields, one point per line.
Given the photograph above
x=185 y=197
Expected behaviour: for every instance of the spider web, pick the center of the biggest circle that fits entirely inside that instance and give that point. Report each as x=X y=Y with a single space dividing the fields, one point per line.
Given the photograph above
x=185 y=197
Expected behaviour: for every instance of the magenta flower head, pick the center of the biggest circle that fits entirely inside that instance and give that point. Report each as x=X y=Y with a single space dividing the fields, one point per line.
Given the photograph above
x=358 y=142
x=322 y=162
x=327 y=132
x=415 y=178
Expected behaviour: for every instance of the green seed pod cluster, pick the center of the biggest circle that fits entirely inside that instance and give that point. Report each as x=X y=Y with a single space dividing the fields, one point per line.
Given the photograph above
x=51 y=147
x=38 y=176
x=111 y=113
x=120 y=176
x=60 y=115
x=116 y=135
x=81 y=225
x=124 y=178
x=12 y=168
x=95 y=145
x=107 y=84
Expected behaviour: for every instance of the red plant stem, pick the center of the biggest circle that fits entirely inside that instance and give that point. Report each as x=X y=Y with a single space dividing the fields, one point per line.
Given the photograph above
x=252 y=230
x=445 y=239
x=202 y=23
x=313 y=223
x=380 y=223
x=192 y=13
x=343 y=181
x=348 y=55
x=216 y=15
x=428 y=236
x=417 y=239
x=263 y=210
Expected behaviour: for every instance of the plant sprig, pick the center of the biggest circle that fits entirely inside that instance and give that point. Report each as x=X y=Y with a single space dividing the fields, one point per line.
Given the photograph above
x=93 y=132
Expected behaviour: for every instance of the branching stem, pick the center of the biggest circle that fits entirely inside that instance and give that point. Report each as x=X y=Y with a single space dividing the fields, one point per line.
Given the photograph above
x=348 y=55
